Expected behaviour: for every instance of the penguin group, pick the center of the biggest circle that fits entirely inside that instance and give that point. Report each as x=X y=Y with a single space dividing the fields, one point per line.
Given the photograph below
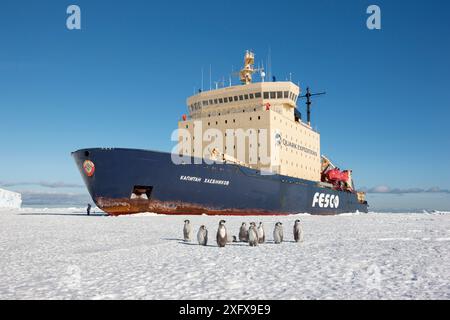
x=253 y=235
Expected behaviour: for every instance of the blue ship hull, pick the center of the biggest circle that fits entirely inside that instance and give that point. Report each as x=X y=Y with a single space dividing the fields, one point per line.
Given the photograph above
x=127 y=181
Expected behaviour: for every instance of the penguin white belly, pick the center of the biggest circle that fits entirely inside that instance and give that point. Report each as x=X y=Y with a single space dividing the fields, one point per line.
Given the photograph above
x=260 y=232
x=252 y=236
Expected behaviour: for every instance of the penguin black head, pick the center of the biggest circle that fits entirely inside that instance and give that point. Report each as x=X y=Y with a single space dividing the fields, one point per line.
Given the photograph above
x=187 y=221
x=222 y=222
x=203 y=227
x=297 y=221
x=244 y=224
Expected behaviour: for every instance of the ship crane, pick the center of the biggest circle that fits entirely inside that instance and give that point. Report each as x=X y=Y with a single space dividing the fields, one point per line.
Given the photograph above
x=308 y=96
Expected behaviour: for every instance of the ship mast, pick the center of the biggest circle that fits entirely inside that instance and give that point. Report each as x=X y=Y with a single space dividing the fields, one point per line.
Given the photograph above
x=308 y=96
x=247 y=72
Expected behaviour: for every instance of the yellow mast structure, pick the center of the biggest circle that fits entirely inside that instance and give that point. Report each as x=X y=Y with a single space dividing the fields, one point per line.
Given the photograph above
x=248 y=70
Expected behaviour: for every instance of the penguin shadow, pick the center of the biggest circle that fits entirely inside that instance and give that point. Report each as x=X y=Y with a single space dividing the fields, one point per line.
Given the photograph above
x=238 y=244
x=271 y=242
x=186 y=243
x=172 y=239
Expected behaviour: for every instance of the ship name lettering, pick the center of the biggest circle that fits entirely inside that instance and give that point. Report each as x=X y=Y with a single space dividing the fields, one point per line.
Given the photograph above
x=214 y=181
x=192 y=179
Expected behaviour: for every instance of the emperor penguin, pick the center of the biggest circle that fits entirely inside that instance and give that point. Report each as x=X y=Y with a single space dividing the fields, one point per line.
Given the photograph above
x=222 y=237
x=187 y=230
x=278 y=233
x=261 y=233
x=298 y=231
x=202 y=236
x=243 y=233
x=253 y=235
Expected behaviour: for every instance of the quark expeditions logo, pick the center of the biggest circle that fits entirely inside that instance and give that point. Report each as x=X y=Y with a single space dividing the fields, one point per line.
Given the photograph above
x=325 y=200
x=278 y=139
x=89 y=168
x=299 y=147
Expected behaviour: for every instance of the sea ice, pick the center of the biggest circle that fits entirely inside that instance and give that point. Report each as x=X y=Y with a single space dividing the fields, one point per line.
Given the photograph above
x=64 y=254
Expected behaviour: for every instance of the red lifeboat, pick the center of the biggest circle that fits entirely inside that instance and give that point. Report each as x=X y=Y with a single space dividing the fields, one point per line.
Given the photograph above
x=333 y=175
x=337 y=175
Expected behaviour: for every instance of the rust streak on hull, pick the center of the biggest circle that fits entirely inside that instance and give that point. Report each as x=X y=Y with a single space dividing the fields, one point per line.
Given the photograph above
x=116 y=207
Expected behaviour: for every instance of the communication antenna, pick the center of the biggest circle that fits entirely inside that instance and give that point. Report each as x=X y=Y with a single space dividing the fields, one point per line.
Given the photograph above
x=202 y=79
x=220 y=83
x=210 y=82
x=308 y=96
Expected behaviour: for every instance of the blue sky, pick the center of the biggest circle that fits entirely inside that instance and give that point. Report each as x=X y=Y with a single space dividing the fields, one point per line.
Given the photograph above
x=123 y=79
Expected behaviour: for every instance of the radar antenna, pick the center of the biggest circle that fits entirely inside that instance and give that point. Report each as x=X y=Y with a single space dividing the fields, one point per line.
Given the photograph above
x=308 y=96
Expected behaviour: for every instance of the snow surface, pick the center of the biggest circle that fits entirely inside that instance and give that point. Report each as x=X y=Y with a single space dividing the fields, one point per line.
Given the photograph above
x=10 y=200
x=64 y=254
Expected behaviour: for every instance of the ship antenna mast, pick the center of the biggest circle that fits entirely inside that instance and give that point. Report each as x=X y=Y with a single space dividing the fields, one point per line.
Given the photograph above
x=247 y=72
x=308 y=96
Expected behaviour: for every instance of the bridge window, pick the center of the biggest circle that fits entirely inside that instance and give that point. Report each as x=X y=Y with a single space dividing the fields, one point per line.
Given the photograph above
x=246 y=96
x=220 y=100
x=215 y=101
x=279 y=94
x=266 y=95
x=272 y=94
x=225 y=99
x=252 y=95
x=210 y=101
x=241 y=97
x=258 y=95
x=286 y=94
x=230 y=99
x=236 y=98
